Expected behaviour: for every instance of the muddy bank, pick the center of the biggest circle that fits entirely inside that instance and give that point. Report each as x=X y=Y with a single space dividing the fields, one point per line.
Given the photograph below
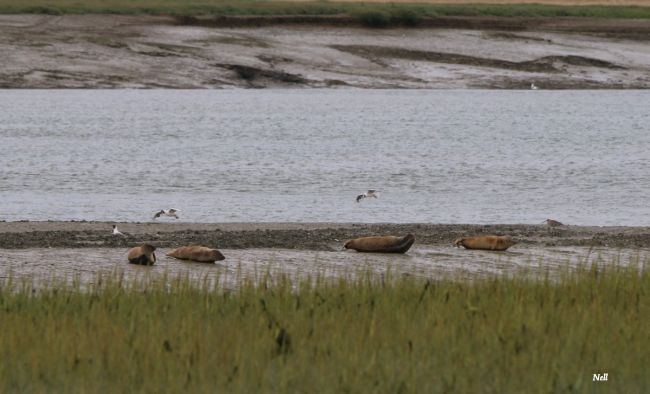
x=305 y=236
x=116 y=51
x=630 y=28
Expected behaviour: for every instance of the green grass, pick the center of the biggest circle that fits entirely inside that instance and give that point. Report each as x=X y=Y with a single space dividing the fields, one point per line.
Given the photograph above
x=370 y=334
x=270 y=7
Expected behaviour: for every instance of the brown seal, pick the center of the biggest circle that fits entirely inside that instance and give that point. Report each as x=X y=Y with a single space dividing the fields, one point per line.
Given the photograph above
x=485 y=242
x=386 y=244
x=197 y=253
x=143 y=255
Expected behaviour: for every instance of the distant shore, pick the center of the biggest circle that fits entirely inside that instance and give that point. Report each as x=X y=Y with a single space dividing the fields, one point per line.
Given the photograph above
x=305 y=236
x=91 y=51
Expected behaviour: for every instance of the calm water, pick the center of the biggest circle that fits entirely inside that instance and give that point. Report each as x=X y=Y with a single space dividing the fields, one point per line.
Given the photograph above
x=279 y=155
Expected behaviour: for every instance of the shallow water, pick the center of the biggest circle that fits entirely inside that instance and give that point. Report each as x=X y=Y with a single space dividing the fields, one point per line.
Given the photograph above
x=424 y=261
x=282 y=155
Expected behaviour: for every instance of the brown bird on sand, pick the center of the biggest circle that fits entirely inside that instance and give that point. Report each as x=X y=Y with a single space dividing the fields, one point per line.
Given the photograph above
x=553 y=223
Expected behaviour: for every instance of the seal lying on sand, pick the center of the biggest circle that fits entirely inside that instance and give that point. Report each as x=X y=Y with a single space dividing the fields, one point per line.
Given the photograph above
x=197 y=253
x=143 y=255
x=387 y=244
x=485 y=242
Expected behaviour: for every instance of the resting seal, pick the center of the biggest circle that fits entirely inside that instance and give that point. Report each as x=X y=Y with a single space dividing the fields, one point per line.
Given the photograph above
x=197 y=253
x=387 y=244
x=485 y=242
x=143 y=255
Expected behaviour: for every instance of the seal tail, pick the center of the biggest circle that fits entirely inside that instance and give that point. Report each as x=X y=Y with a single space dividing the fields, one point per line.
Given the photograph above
x=403 y=246
x=458 y=243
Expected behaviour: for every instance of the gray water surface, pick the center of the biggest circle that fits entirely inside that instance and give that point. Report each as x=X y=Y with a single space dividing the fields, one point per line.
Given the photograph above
x=284 y=155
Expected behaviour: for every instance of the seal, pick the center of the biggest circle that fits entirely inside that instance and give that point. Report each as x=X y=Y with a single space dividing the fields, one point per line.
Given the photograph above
x=486 y=242
x=197 y=253
x=143 y=255
x=385 y=244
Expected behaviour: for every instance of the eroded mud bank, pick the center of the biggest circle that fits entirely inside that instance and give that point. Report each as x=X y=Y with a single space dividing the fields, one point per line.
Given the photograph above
x=112 y=51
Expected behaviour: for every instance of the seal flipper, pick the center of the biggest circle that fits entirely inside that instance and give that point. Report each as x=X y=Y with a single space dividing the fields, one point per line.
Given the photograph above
x=144 y=260
x=403 y=246
x=141 y=260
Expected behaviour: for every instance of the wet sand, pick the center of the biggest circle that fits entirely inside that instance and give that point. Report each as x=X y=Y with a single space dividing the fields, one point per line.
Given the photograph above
x=86 y=265
x=81 y=251
x=116 y=51
x=301 y=236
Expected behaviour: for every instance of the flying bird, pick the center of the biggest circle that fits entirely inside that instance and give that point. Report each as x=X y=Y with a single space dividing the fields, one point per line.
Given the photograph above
x=368 y=194
x=171 y=212
x=117 y=232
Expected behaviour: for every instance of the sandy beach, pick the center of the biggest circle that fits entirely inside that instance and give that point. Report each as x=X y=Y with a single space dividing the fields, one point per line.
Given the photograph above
x=83 y=251
x=303 y=236
x=116 y=51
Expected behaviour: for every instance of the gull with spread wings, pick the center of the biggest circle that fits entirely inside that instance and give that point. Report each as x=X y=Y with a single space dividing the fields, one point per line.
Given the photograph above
x=368 y=194
x=171 y=212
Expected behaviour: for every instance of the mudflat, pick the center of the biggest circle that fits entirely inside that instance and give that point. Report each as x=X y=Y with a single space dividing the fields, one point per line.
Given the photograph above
x=303 y=236
x=144 y=51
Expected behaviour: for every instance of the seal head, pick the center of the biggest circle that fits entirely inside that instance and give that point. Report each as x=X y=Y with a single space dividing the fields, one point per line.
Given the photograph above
x=142 y=255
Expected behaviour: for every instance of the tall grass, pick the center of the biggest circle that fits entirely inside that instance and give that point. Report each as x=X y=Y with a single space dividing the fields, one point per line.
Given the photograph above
x=272 y=7
x=365 y=333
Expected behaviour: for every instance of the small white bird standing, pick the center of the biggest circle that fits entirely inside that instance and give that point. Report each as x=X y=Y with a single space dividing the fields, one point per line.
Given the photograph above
x=533 y=87
x=368 y=194
x=171 y=212
x=117 y=232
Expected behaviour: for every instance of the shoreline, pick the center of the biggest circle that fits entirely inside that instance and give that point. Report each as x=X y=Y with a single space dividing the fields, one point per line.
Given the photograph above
x=621 y=27
x=107 y=51
x=300 y=236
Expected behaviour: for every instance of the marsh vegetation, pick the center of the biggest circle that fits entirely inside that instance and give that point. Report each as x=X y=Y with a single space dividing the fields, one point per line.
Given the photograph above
x=374 y=14
x=527 y=332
